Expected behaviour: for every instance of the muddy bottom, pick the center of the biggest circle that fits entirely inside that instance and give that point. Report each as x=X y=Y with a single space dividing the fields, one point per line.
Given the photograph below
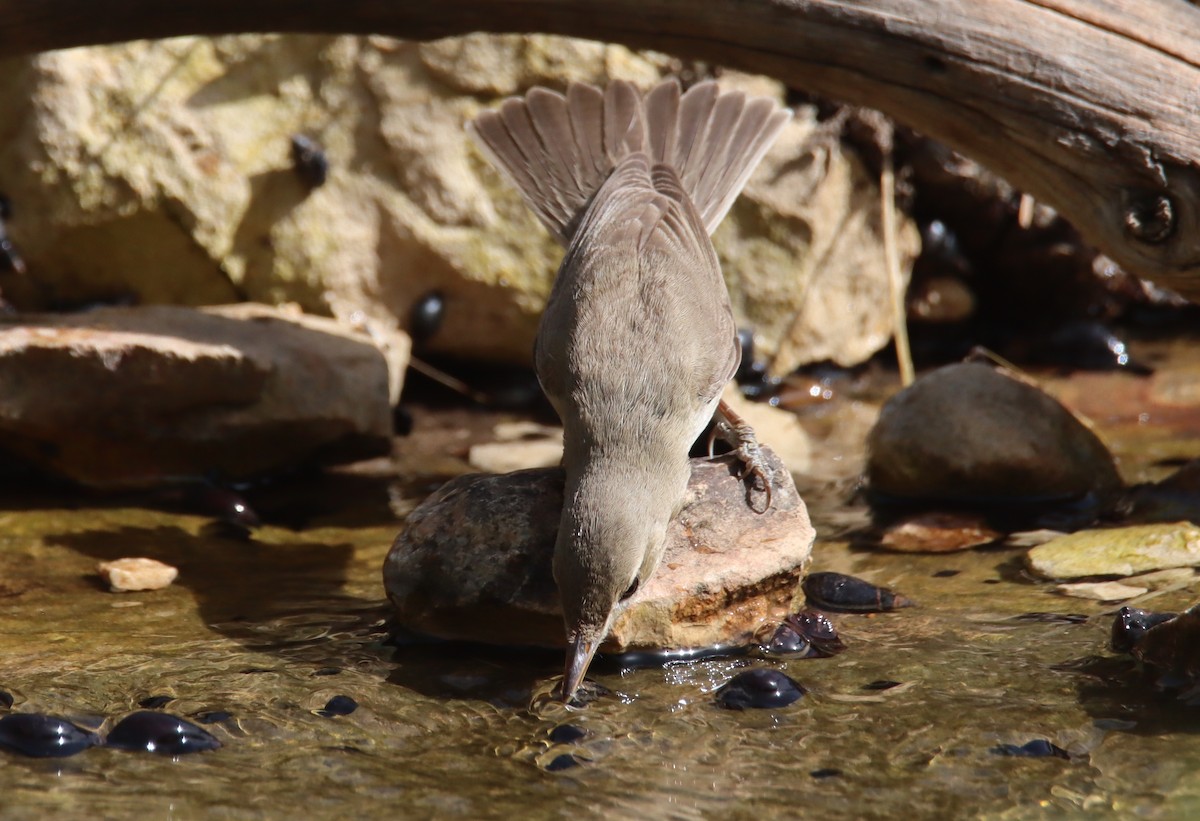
x=908 y=722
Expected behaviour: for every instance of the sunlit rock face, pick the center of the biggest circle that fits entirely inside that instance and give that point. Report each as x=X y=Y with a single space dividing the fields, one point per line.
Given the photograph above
x=168 y=172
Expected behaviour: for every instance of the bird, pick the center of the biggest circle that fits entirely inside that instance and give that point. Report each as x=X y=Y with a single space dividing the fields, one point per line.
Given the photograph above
x=637 y=339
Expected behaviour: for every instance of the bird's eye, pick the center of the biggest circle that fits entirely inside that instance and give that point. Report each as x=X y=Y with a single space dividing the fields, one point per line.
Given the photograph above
x=632 y=589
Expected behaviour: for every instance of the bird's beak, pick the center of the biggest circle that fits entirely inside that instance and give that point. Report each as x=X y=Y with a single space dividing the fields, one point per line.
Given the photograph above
x=579 y=656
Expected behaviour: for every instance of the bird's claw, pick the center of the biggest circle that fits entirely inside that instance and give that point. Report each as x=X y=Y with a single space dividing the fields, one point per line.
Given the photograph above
x=746 y=449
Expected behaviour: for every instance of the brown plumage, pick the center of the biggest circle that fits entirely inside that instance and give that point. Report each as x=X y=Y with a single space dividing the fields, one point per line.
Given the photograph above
x=638 y=339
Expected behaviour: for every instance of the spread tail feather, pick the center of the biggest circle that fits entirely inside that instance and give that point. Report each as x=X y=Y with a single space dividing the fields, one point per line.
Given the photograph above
x=559 y=150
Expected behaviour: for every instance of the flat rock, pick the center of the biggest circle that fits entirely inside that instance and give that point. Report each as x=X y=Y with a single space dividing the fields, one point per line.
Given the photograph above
x=968 y=433
x=1101 y=591
x=121 y=397
x=1121 y=551
x=937 y=533
x=474 y=563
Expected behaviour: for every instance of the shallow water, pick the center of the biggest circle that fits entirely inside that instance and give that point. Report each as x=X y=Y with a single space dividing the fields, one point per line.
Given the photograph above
x=268 y=629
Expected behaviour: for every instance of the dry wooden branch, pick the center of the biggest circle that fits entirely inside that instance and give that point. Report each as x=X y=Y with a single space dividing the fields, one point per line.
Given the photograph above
x=1092 y=106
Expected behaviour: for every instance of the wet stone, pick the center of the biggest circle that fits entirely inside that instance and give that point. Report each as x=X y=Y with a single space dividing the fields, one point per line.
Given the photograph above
x=881 y=684
x=43 y=736
x=1038 y=748
x=212 y=716
x=6 y=699
x=761 y=688
x=1131 y=624
x=338 y=706
x=837 y=591
x=160 y=733
x=968 y=433
x=825 y=772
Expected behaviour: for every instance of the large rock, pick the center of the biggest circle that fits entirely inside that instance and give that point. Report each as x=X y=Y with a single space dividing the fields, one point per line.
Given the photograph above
x=120 y=397
x=128 y=161
x=968 y=433
x=474 y=563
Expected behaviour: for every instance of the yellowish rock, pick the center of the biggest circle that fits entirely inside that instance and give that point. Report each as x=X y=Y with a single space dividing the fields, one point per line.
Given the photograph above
x=126 y=575
x=1121 y=551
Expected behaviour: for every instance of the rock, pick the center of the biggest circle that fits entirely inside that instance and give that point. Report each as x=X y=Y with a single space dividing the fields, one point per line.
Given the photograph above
x=474 y=563
x=120 y=397
x=937 y=533
x=1121 y=551
x=1101 y=591
x=968 y=433
x=130 y=160
x=125 y=575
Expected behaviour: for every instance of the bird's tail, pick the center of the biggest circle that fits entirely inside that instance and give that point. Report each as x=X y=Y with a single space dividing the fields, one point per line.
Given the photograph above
x=559 y=150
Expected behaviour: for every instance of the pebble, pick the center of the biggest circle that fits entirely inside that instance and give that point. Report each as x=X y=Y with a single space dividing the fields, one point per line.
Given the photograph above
x=760 y=688
x=160 y=733
x=43 y=736
x=127 y=575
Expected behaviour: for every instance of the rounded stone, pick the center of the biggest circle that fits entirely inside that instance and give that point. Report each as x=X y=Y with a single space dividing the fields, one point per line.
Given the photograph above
x=968 y=433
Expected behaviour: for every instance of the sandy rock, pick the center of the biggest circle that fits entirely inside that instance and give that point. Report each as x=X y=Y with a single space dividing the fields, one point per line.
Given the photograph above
x=132 y=396
x=126 y=575
x=125 y=162
x=473 y=563
x=967 y=433
x=1121 y=551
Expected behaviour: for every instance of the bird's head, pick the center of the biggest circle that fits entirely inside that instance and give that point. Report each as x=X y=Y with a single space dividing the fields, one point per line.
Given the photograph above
x=610 y=541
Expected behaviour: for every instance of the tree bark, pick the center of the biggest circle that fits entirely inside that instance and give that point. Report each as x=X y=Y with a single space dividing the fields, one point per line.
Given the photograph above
x=1092 y=106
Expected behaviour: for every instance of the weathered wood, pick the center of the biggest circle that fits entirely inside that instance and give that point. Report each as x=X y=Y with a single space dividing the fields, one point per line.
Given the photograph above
x=1091 y=106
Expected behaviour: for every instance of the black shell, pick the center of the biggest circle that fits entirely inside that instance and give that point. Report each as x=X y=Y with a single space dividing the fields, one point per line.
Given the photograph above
x=837 y=591
x=44 y=736
x=760 y=688
x=160 y=733
x=807 y=634
x=1131 y=624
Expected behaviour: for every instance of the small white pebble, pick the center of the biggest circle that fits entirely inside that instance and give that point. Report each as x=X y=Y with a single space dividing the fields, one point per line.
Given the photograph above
x=124 y=575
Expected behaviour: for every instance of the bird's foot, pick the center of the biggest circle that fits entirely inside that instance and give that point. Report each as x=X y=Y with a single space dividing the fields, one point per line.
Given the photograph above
x=737 y=432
